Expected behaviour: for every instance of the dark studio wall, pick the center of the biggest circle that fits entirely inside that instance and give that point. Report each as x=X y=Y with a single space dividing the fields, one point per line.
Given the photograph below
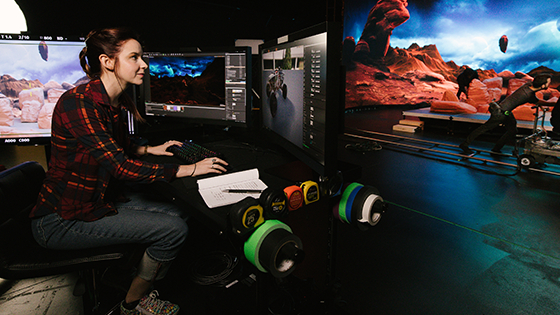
x=167 y=23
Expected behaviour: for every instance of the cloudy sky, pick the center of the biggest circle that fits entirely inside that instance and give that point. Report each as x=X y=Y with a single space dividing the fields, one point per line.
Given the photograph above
x=24 y=61
x=468 y=32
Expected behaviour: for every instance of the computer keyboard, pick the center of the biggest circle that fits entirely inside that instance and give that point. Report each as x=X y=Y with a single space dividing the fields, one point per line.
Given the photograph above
x=190 y=152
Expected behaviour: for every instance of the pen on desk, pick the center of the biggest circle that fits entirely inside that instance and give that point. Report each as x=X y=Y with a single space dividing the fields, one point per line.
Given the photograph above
x=242 y=191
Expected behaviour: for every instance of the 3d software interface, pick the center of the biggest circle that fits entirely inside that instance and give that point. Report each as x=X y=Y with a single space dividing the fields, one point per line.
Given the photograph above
x=196 y=85
x=294 y=102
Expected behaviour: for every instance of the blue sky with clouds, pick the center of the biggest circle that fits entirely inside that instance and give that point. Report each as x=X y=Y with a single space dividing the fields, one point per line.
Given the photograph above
x=468 y=32
x=22 y=60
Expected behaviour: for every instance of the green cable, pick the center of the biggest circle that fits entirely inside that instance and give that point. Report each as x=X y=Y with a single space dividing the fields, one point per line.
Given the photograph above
x=472 y=230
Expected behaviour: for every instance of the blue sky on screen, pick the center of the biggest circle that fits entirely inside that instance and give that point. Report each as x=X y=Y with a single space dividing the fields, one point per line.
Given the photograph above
x=22 y=60
x=468 y=32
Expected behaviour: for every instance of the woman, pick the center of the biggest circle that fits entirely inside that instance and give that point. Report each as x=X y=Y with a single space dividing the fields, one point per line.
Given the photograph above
x=84 y=202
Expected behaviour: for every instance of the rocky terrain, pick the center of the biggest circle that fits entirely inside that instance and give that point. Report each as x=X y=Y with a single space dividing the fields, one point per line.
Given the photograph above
x=377 y=74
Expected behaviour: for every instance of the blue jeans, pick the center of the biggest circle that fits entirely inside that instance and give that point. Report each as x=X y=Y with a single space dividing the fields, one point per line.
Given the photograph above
x=159 y=225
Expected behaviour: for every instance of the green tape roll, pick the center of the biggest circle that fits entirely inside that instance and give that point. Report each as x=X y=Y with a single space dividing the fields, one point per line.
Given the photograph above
x=253 y=244
x=344 y=200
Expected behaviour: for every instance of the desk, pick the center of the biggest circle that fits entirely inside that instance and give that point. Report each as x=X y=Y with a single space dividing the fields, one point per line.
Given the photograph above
x=278 y=169
x=241 y=156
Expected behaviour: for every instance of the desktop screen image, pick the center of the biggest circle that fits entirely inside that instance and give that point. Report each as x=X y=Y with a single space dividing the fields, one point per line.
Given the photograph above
x=34 y=72
x=300 y=90
x=207 y=87
x=283 y=97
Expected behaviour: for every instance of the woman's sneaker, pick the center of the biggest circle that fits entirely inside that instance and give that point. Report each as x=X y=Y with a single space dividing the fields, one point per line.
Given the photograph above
x=150 y=305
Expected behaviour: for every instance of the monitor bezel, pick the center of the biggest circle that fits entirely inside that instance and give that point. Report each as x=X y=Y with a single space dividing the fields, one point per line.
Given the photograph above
x=329 y=166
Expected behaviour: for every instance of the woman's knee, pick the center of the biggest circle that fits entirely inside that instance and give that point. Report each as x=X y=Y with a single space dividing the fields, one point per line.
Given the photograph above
x=177 y=230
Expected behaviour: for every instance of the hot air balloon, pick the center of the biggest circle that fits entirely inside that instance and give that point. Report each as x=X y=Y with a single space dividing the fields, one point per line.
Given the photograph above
x=44 y=50
x=503 y=43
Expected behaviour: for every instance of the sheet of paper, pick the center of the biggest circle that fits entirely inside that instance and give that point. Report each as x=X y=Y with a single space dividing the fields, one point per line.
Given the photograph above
x=213 y=189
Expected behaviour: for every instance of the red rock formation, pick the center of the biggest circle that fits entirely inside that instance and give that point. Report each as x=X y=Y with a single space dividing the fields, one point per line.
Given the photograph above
x=524 y=112
x=383 y=75
x=427 y=58
x=497 y=82
x=54 y=94
x=45 y=116
x=449 y=96
x=12 y=87
x=478 y=94
x=382 y=20
x=495 y=94
x=449 y=107
x=368 y=85
x=6 y=114
x=30 y=111
x=514 y=84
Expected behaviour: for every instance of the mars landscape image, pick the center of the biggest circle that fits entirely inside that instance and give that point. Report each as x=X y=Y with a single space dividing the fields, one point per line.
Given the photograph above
x=411 y=52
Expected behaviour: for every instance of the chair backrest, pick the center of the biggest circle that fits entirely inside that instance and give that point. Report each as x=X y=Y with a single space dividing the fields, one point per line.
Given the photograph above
x=20 y=255
x=19 y=187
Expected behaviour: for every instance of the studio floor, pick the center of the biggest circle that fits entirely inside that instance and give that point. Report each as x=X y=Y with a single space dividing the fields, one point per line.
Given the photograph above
x=459 y=236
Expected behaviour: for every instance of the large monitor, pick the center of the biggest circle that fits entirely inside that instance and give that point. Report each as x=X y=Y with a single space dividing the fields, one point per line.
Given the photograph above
x=34 y=72
x=301 y=94
x=210 y=86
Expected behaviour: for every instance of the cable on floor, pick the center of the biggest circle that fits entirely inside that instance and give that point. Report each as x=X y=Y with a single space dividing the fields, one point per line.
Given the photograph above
x=366 y=146
x=213 y=268
x=472 y=230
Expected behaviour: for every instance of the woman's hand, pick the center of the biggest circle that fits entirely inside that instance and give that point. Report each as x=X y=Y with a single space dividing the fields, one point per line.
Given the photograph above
x=206 y=166
x=162 y=149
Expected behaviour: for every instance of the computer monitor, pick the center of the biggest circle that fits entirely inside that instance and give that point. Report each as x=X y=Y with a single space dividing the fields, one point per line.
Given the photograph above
x=34 y=71
x=301 y=94
x=208 y=86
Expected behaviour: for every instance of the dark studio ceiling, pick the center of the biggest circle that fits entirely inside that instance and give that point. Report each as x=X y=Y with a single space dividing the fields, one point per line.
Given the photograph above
x=190 y=23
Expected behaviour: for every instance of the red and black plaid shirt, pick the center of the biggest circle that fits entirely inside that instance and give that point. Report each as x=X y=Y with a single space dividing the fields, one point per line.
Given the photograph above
x=90 y=148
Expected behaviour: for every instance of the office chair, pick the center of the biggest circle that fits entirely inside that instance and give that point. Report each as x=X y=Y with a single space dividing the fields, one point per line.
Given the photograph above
x=20 y=255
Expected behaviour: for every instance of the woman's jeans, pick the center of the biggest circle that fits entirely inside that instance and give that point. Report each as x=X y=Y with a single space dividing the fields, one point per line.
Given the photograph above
x=159 y=225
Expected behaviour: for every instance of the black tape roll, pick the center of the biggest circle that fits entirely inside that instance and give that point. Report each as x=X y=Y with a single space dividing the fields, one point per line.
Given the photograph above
x=274 y=203
x=331 y=186
x=280 y=252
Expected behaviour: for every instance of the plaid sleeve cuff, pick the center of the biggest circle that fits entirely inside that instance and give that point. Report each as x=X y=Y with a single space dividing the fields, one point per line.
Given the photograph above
x=170 y=171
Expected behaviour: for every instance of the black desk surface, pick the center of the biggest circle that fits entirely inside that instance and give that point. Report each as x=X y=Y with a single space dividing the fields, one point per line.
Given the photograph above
x=277 y=169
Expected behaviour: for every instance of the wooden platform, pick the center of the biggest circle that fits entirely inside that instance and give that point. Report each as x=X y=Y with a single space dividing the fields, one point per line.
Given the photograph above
x=479 y=118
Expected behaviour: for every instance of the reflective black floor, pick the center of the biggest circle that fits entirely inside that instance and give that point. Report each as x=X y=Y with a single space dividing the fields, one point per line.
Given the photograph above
x=460 y=236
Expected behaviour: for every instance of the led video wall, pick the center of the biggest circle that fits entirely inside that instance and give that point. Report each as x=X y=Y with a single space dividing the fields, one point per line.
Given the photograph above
x=409 y=52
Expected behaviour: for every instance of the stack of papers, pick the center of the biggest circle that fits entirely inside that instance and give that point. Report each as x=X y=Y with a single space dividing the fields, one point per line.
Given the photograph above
x=214 y=189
